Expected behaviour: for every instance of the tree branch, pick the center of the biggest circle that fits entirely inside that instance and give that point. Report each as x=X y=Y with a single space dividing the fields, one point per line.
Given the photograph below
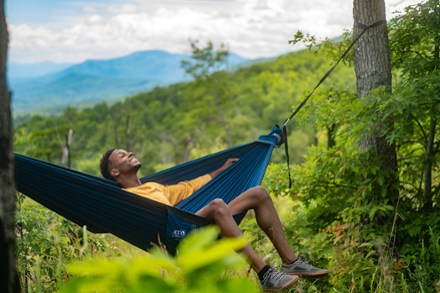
x=425 y=136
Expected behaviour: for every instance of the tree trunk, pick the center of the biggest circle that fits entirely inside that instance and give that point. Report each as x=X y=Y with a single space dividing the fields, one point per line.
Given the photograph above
x=429 y=153
x=128 y=136
x=331 y=142
x=66 y=153
x=373 y=70
x=115 y=118
x=8 y=272
x=430 y=140
x=372 y=53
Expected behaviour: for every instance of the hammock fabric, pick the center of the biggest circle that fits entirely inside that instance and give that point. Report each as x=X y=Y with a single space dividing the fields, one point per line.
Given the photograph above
x=104 y=207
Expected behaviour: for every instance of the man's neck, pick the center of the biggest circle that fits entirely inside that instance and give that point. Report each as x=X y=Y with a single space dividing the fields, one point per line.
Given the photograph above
x=129 y=182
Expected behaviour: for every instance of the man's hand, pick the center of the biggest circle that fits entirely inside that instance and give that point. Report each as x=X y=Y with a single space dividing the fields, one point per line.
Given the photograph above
x=228 y=163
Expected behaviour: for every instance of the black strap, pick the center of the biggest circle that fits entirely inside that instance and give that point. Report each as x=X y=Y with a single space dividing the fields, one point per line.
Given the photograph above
x=286 y=149
x=364 y=29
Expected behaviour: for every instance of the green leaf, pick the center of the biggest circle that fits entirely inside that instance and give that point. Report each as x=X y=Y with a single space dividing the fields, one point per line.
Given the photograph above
x=211 y=250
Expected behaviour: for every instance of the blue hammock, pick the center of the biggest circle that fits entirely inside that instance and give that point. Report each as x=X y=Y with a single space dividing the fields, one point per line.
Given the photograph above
x=104 y=207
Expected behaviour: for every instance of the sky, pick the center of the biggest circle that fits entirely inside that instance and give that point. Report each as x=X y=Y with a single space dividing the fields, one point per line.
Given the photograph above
x=73 y=31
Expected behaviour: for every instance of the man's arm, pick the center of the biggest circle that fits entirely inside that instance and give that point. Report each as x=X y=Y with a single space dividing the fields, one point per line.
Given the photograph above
x=228 y=163
x=178 y=192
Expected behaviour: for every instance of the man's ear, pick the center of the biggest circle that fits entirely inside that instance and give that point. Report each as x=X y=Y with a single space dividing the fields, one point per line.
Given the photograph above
x=114 y=172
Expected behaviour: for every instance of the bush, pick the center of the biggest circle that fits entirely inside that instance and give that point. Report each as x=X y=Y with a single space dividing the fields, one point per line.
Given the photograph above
x=203 y=264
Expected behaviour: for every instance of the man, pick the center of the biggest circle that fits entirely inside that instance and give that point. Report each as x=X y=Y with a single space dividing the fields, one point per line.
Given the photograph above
x=122 y=166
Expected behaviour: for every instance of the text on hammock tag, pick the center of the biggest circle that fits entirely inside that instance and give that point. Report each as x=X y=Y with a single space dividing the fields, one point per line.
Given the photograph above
x=178 y=234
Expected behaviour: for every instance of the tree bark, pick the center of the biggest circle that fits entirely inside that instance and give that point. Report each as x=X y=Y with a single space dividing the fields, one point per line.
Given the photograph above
x=372 y=53
x=128 y=136
x=373 y=71
x=66 y=153
x=331 y=142
x=8 y=273
x=430 y=140
x=430 y=153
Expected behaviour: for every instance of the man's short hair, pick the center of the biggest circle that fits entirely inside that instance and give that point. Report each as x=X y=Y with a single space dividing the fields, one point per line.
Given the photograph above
x=104 y=165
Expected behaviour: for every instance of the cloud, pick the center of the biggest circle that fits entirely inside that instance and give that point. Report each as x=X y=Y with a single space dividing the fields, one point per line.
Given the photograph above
x=252 y=28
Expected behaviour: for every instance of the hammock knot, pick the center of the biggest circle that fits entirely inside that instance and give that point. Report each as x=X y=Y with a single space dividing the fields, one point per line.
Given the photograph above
x=278 y=133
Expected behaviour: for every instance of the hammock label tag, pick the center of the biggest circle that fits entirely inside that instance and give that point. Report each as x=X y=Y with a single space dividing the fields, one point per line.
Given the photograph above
x=178 y=234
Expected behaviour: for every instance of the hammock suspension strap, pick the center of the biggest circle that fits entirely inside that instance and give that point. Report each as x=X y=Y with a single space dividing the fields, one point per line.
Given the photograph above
x=302 y=104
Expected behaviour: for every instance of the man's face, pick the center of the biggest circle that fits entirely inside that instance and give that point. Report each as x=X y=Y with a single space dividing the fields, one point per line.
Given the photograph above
x=123 y=162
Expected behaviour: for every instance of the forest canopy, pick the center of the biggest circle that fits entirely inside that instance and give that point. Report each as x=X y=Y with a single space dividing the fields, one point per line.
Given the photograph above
x=172 y=124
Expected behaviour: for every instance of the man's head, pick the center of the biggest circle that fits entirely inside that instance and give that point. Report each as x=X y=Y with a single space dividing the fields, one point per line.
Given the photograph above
x=116 y=163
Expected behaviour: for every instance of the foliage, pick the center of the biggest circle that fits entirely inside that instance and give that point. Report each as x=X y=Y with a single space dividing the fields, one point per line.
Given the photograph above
x=415 y=39
x=332 y=48
x=199 y=266
x=324 y=212
x=46 y=243
x=165 y=125
x=393 y=257
x=205 y=61
x=329 y=186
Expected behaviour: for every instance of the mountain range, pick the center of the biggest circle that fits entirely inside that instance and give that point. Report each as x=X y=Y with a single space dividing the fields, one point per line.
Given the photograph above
x=49 y=87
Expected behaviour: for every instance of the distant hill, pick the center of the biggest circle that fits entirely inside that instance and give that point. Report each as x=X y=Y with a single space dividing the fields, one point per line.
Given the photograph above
x=46 y=87
x=21 y=71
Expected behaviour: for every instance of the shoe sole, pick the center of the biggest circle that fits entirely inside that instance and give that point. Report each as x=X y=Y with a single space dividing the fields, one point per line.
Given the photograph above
x=310 y=275
x=285 y=286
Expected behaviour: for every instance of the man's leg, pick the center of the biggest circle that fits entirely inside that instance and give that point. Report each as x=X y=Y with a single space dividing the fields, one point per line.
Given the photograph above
x=220 y=213
x=270 y=279
x=267 y=217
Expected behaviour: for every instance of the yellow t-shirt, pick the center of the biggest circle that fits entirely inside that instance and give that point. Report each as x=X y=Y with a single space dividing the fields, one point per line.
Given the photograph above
x=170 y=194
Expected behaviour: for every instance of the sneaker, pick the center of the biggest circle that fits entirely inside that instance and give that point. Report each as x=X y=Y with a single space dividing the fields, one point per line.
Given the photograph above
x=302 y=268
x=274 y=280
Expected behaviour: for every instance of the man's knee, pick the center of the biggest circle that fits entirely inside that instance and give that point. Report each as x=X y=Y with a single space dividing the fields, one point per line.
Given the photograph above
x=218 y=207
x=261 y=194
